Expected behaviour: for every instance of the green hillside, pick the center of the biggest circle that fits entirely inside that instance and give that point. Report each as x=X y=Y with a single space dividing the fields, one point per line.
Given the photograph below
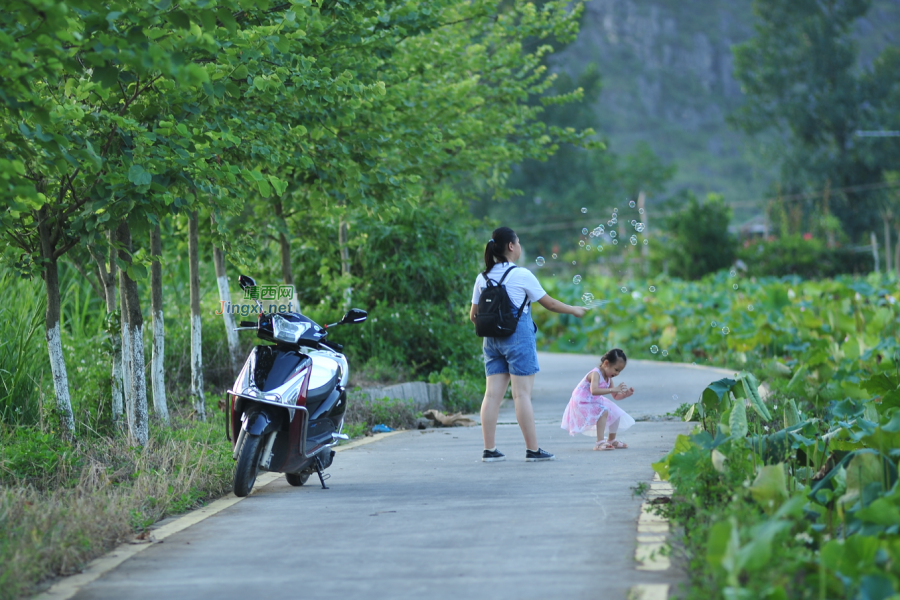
x=667 y=80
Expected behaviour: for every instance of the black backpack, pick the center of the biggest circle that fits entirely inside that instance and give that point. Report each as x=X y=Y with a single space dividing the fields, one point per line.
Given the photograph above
x=497 y=316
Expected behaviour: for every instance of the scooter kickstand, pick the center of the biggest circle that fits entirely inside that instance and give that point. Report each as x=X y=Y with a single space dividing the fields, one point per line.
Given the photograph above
x=322 y=476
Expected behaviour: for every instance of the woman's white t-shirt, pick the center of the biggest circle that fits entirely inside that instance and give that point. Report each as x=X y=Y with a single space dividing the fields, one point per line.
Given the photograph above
x=520 y=283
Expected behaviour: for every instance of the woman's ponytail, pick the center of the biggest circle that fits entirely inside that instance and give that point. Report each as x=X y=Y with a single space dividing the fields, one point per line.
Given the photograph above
x=495 y=250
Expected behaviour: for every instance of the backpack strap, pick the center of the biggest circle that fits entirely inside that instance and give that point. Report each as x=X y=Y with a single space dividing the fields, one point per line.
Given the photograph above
x=490 y=283
x=524 y=302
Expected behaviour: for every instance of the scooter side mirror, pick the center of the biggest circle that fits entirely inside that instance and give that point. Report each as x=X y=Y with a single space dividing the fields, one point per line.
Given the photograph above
x=245 y=281
x=354 y=315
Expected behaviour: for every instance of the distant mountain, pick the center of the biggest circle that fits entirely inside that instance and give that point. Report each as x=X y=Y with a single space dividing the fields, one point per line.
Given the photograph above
x=667 y=79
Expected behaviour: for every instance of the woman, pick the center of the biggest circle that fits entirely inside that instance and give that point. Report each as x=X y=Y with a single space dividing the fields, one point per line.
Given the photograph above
x=515 y=357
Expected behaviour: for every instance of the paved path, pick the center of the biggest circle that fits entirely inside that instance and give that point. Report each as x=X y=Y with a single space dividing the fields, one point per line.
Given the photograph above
x=418 y=515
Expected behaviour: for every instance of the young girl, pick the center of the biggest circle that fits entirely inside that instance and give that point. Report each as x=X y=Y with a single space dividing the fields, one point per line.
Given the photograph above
x=588 y=411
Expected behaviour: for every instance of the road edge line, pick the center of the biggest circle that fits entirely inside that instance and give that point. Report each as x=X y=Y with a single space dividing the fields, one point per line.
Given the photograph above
x=68 y=586
x=650 y=550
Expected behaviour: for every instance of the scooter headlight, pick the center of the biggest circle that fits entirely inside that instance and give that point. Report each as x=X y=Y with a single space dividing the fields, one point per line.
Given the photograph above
x=284 y=330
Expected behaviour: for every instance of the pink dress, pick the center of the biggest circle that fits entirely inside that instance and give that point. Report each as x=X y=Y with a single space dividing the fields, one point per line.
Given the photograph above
x=584 y=409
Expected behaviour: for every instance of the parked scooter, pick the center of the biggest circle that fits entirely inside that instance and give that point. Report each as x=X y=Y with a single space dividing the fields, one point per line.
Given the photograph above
x=288 y=402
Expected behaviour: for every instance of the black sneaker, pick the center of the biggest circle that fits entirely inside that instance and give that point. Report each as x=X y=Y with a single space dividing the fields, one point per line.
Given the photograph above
x=538 y=455
x=492 y=456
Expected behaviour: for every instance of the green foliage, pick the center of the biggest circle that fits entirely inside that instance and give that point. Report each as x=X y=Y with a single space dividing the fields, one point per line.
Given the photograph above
x=808 y=258
x=697 y=239
x=802 y=81
x=806 y=511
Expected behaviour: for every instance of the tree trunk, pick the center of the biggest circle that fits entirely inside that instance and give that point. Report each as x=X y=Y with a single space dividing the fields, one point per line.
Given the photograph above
x=138 y=425
x=887 y=243
x=196 y=327
x=225 y=298
x=345 y=260
x=127 y=398
x=157 y=369
x=108 y=281
x=54 y=341
x=874 y=241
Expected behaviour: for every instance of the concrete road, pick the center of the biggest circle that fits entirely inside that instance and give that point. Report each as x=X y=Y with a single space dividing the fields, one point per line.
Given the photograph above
x=418 y=515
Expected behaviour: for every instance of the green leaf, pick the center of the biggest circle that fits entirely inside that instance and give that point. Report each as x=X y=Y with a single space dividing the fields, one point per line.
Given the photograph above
x=791 y=414
x=738 y=420
x=769 y=488
x=138 y=176
x=107 y=76
x=682 y=444
x=751 y=389
x=264 y=189
x=717 y=543
x=180 y=19
x=714 y=393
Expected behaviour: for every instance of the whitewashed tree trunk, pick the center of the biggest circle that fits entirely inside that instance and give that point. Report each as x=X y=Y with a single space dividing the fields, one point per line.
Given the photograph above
x=225 y=297
x=125 y=362
x=54 y=341
x=157 y=369
x=108 y=280
x=196 y=326
x=345 y=260
x=138 y=422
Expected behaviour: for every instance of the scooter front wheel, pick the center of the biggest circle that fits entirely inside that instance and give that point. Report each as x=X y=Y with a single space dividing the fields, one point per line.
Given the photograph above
x=247 y=465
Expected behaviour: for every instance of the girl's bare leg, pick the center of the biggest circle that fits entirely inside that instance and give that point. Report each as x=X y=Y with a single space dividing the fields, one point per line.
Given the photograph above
x=521 y=392
x=494 y=390
x=601 y=426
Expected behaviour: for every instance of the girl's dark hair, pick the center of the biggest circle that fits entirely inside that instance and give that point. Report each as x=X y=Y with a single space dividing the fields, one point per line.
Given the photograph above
x=496 y=247
x=614 y=356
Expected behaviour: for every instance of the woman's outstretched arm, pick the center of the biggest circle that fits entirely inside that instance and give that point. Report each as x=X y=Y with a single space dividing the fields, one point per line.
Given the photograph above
x=554 y=305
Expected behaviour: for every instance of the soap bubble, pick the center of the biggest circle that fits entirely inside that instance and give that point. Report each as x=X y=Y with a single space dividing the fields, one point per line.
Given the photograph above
x=732 y=273
x=553 y=256
x=584 y=231
x=615 y=210
x=726 y=331
x=633 y=223
x=640 y=211
x=665 y=352
x=615 y=242
x=713 y=324
x=614 y=220
x=588 y=247
x=632 y=204
x=574 y=262
x=598 y=231
x=623 y=289
x=540 y=261
x=652 y=288
x=576 y=280
x=639 y=227
x=633 y=240
x=609 y=223
x=583 y=210
x=646 y=242
x=581 y=243
x=612 y=234
x=587 y=298
x=654 y=349
x=750 y=308
x=735 y=286
x=599 y=248
x=675 y=397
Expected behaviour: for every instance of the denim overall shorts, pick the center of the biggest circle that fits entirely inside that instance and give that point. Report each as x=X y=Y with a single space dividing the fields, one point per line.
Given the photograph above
x=516 y=354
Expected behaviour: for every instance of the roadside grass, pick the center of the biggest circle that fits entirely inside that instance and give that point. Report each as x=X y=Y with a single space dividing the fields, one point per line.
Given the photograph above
x=61 y=505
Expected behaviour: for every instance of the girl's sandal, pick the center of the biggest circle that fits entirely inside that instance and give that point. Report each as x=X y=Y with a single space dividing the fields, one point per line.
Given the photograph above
x=618 y=445
x=603 y=445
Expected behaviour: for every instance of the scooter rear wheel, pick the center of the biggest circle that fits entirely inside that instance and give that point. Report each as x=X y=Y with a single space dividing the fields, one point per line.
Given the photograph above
x=296 y=479
x=247 y=465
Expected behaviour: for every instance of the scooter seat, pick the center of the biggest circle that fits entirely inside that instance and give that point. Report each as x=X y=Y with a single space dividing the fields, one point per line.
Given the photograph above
x=317 y=395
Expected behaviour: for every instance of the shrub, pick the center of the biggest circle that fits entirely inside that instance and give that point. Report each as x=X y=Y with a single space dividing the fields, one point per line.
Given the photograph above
x=698 y=240
x=809 y=258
